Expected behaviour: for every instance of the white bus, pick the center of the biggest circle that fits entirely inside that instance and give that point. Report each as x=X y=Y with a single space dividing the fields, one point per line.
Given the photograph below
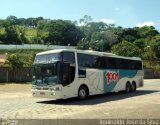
x=66 y=73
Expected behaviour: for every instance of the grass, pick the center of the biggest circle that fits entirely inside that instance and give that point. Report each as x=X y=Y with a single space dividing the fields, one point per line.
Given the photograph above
x=30 y=33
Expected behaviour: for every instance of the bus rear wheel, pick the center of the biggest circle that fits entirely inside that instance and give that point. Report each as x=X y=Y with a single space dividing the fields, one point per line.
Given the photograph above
x=128 y=87
x=134 y=87
x=82 y=92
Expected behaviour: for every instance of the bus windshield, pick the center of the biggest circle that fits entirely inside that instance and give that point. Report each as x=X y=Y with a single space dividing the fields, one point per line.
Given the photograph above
x=44 y=74
x=48 y=58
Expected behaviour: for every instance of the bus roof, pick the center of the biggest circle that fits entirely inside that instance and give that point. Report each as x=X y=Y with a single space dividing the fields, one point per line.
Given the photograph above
x=90 y=52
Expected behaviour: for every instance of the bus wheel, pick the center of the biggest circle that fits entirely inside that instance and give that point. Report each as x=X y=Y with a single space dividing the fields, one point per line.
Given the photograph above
x=134 y=87
x=82 y=92
x=128 y=87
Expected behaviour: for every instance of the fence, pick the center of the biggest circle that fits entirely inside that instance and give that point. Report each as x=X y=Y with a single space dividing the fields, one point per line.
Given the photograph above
x=9 y=75
x=151 y=74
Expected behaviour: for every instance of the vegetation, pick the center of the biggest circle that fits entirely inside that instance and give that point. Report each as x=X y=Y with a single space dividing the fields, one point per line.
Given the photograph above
x=24 y=56
x=125 y=48
x=15 y=61
x=143 y=42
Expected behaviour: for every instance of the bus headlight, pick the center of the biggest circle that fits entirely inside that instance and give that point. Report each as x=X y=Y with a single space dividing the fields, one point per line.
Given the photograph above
x=55 y=89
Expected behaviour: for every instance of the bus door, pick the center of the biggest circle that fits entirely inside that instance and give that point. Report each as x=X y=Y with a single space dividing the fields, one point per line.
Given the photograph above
x=67 y=74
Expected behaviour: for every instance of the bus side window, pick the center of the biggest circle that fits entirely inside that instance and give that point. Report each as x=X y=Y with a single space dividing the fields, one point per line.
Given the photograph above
x=97 y=62
x=110 y=63
x=68 y=57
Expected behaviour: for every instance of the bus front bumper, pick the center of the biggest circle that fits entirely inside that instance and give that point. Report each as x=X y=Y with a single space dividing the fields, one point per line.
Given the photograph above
x=47 y=94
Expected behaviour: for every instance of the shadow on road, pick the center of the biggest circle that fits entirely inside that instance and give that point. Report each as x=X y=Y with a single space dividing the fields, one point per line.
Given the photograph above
x=97 y=99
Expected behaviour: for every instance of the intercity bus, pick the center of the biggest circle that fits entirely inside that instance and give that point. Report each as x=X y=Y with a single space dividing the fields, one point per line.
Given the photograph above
x=66 y=73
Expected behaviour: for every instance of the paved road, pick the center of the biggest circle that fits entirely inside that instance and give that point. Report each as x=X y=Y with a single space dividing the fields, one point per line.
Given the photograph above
x=16 y=102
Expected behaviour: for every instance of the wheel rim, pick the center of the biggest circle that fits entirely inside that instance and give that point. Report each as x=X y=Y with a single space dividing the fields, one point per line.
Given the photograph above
x=82 y=93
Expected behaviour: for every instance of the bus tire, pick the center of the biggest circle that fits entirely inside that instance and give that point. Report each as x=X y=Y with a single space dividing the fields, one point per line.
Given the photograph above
x=83 y=92
x=128 y=87
x=134 y=87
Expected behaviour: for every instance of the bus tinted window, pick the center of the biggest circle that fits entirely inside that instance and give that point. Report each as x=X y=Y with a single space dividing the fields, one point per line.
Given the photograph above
x=69 y=57
x=119 y=63
x=110 y=63
x=138 y=65
x=85 y=60
x=90 y=61
x=99 y=62
x=128 y=64
x=124 y=64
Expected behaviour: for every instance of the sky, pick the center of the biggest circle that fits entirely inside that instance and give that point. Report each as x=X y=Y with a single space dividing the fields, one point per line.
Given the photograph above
x=125 y=13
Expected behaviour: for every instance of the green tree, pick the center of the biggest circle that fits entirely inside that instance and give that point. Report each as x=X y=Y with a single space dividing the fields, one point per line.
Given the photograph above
x=41 y=25
x=126 y=49
x=102 y=41
x=96 y=42
x=30 y=59
x=157 y=49
x=14 y=61
x=85 y=20
x=110 y=38
x=140 y=43
x=62 y=32
x=149 y=57
x=96 y=26
x=118 y=31
x=146 y=31
x=14 y=35
x=125 y=34
x=21 y=35
x=94 y=35
x=83 y=44
x=22 y=21
x=149 y=54
x=12 y=19
x=156 y=45
x=11 y=35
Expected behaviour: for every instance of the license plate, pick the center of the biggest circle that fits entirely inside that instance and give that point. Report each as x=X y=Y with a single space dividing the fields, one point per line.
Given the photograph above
x=42 y=93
